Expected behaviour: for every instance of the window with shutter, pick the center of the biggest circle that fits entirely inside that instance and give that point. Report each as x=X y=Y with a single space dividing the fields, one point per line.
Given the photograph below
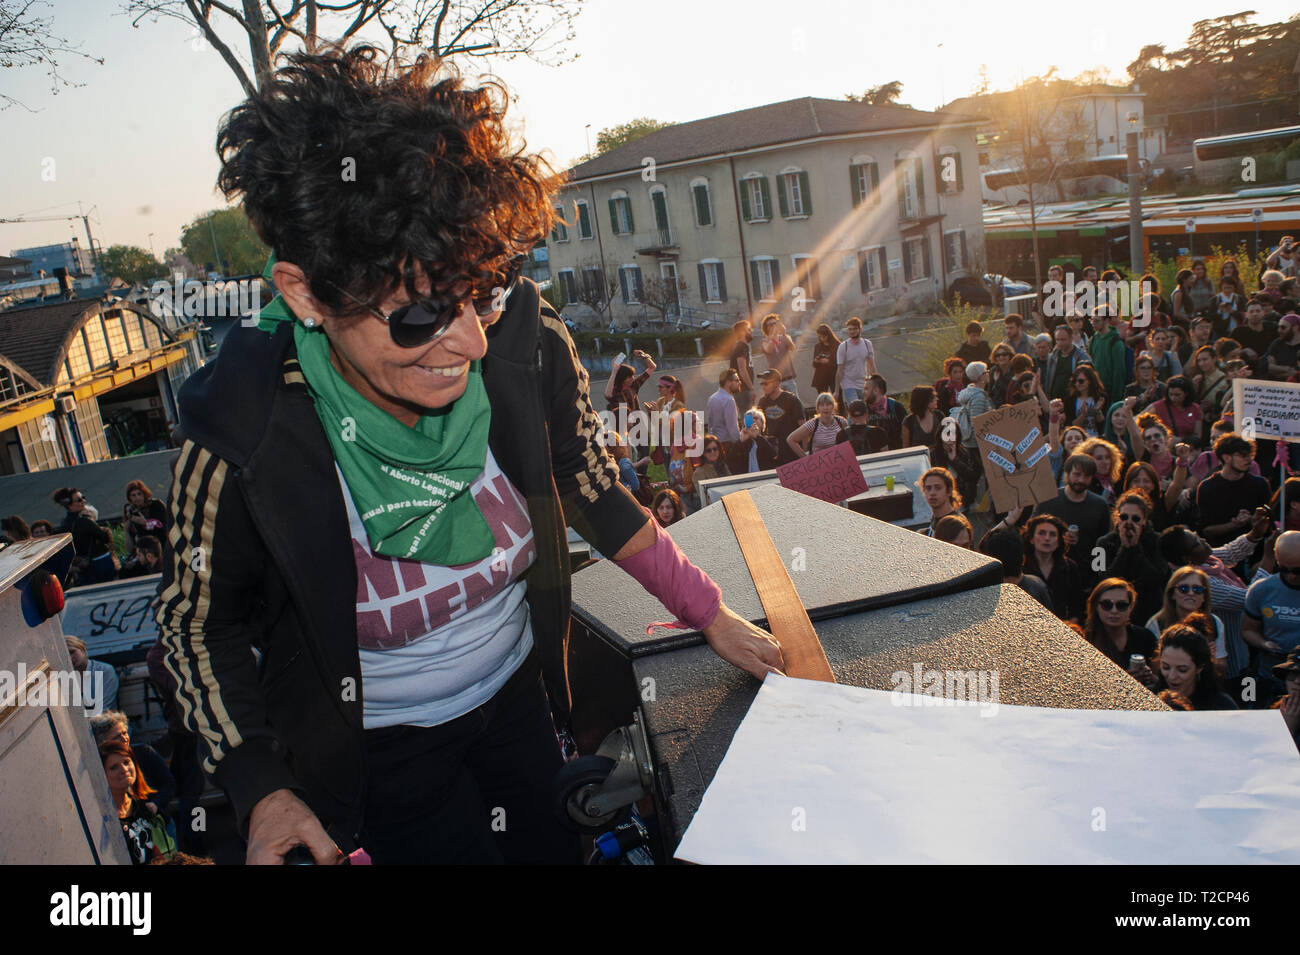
x=767 y=278
x=703 y=211
x=805 y=193
x=856 y=185
x=864 y=272
x=561 y=231
x=882 y=267
x=759 y=199
x=584 y=221
x=720 y=271
x=742 y=188
x=806 y=278
x=908 y=246
x=711 y=286
x=792 y=194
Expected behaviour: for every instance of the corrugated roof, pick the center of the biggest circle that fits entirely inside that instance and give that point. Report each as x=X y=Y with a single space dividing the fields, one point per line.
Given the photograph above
x=33 y=338
x=791 y=121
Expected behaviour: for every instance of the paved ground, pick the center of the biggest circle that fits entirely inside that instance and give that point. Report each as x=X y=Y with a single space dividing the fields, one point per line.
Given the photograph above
x=901 y=366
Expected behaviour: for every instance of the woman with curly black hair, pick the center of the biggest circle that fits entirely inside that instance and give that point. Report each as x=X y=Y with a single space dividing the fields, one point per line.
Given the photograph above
x=371 y=483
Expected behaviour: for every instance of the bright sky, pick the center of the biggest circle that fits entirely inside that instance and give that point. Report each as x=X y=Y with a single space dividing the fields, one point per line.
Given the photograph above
x=136 y=141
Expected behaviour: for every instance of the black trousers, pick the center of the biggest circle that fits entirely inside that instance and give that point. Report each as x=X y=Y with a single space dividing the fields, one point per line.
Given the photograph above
x=476 y=790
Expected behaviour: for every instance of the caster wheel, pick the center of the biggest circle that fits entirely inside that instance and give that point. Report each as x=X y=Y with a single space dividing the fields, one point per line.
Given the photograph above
x=574 y=786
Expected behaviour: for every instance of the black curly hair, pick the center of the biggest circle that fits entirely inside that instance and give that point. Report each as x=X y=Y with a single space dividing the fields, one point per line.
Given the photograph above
x=362 y=169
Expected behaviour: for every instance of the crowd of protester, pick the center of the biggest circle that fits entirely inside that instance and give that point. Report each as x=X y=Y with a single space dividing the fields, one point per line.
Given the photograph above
x=145 y=520
x=1164 y=546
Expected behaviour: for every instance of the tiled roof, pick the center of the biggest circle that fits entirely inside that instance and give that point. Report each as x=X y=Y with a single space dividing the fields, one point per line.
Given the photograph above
x=33 y=338
x=791 y=121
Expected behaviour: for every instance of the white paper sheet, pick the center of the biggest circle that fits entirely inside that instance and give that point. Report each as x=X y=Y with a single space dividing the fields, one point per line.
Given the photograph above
x=821 y=773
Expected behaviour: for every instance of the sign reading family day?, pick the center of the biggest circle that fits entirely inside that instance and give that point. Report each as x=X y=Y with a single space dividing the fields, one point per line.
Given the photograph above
x=1267 y=409
x=1015 y=455
x=832 y=474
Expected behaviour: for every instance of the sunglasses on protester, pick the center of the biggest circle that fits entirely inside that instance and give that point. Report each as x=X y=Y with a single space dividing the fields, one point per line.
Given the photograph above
x=1133 y=518
x=1120 y=605
x=422 y=322
x=1186 y=589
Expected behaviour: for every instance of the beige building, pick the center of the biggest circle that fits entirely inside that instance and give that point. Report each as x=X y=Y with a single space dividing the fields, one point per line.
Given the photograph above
x=816 y=209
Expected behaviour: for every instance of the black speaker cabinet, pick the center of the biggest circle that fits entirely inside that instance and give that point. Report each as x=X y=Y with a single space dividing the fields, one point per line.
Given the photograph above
x=883 y=601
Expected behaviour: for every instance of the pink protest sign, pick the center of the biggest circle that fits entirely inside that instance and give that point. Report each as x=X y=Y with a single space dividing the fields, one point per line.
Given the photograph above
x=832 y=474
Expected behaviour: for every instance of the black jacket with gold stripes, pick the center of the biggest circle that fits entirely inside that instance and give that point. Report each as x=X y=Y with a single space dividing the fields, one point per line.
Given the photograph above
x=259 y=554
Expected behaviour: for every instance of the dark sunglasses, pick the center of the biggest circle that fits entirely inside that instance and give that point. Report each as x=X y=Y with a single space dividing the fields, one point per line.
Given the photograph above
x=1133 y=518
x=711 y=447
x=1190 y=589
x=422 y=322
x=77 y=500
x=1120 y=605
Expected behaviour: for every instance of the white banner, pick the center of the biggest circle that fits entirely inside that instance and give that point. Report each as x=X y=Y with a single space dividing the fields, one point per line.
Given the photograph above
x=1267 y=409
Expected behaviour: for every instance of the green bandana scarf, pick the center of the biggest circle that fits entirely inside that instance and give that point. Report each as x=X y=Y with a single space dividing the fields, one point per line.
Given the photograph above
x=410 y=485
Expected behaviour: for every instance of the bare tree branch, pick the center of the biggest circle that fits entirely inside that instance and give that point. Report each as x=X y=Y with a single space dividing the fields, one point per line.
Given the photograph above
x=26 y=39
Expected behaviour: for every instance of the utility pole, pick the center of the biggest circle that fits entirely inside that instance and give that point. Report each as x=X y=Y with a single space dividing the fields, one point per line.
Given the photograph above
x=216 y=250
x=1136 y=256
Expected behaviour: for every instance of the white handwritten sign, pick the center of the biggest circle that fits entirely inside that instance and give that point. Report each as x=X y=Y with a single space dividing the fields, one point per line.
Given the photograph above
x=1270 y=408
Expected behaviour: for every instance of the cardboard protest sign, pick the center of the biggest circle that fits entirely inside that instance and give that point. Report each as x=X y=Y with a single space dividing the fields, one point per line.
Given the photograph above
x=1267 y=409
x=832 y=474
x=1015 y=455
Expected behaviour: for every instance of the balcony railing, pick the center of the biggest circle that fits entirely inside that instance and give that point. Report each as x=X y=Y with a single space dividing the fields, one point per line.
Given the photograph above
x=657 y=240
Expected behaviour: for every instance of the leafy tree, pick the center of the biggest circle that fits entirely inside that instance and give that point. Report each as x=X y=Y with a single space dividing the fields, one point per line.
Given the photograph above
x=538 y=29
x=1233 y=75
x=130 y=263
x=26 y=39
x=624 y=133
x=238 y=251
x=886 y=94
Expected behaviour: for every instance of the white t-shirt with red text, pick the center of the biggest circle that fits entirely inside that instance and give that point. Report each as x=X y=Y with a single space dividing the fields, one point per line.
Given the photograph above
x=437 y=642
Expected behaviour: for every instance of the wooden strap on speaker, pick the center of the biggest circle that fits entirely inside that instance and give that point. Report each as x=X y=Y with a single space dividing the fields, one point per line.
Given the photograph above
x=786 y=618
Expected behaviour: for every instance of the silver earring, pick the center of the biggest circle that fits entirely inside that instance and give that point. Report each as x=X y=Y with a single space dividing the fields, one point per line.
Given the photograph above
x=309 y=322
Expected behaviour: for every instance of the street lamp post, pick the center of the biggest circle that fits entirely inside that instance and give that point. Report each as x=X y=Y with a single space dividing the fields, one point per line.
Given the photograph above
x=1136 y=258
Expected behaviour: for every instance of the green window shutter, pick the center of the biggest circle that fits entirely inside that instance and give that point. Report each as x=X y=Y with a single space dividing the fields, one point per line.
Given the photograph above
x=753 y=279
x=659 y=202
x=776 y=279
x=781 y=197
x=805 y=190
x=925 y=257
x=907 y=263
x=855 y=189
x=920 y=187
x=864 y=277
x=622 y=281
x=631 y=224
x=766 y=193
x=584 y=222
x=722 y=282
x=884 y=267
x=874 y=170
x=613 y=216
x=743 y=186
x=704 y=285
x=899 y=178
x=702 y=216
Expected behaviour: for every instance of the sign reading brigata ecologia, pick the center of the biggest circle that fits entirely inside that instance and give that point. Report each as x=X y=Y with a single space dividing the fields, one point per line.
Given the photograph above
x=1267 y=409
x=1016 y=455
x=832 y=474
